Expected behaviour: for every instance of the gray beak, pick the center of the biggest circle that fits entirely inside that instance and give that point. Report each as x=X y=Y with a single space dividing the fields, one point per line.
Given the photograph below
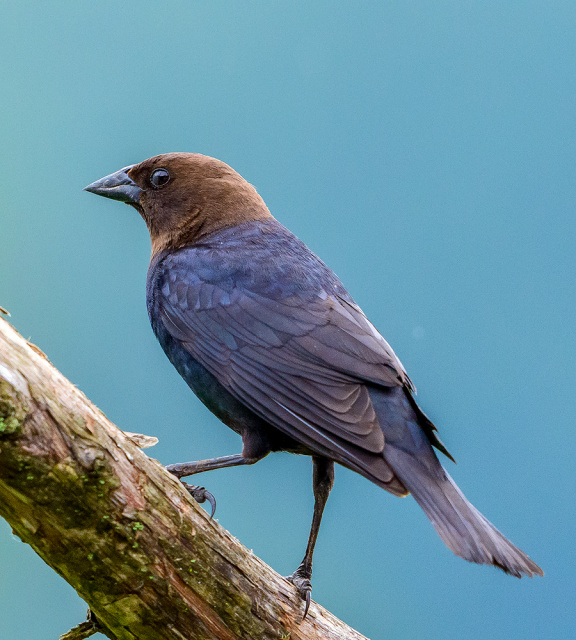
x=117 y=186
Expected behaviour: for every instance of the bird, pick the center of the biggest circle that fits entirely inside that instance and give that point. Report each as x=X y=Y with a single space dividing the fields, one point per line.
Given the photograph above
x=269 y=339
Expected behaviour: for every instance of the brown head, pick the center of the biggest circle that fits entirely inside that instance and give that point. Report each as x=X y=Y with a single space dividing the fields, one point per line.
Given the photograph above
x=183 y=197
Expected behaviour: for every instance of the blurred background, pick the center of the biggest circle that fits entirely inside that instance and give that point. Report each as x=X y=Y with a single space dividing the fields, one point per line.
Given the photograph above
x=426 y=152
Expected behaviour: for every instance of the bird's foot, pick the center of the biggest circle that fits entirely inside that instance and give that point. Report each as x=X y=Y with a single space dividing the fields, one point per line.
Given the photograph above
x=301 y=580
x=198 y=493
x=201 y=495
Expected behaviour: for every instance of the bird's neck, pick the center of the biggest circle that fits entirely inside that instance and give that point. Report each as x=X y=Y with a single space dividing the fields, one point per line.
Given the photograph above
x=206 y=221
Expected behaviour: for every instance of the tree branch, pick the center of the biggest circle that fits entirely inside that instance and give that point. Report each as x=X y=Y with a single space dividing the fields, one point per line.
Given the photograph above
x=121 y=530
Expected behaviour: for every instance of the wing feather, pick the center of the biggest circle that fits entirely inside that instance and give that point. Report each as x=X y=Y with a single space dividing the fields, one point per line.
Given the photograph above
x=301 y=364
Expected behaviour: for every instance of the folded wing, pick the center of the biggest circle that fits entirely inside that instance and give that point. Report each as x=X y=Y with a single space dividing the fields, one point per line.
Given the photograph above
x=299 y=364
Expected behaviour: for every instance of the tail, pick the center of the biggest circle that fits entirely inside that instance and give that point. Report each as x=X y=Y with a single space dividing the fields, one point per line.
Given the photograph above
x=460 y=525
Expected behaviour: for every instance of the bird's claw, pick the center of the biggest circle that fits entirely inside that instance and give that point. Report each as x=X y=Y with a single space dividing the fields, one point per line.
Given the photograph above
x=201 y=495
x=304 y=587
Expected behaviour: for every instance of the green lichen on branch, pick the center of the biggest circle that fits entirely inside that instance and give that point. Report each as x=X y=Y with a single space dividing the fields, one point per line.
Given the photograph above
x=12 y=411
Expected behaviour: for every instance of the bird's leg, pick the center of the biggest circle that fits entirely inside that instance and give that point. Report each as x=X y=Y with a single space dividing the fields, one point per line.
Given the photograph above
x=182 y=469
x=323 y=479
x=190 y=468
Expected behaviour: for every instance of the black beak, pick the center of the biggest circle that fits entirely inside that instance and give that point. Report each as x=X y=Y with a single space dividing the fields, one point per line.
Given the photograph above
x=117 y=186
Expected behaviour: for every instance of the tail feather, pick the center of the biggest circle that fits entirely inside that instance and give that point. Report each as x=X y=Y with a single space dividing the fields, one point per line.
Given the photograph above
x=460 y=525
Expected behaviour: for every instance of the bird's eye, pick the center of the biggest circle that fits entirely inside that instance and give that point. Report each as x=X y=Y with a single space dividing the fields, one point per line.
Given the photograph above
x=159 y=178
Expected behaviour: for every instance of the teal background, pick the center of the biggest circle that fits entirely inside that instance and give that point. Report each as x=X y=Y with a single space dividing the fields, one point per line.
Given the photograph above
x=425 y=150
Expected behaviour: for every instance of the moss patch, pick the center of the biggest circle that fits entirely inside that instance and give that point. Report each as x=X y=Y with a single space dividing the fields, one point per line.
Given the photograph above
x=12 y=411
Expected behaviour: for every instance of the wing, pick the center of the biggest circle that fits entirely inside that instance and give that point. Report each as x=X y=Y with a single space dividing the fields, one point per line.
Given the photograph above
x=298 y=361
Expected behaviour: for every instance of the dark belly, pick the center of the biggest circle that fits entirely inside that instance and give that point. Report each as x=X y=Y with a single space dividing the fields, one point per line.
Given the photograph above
x=223 y=404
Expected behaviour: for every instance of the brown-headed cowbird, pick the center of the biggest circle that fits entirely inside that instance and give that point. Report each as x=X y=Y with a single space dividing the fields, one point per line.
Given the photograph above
x=272 y=343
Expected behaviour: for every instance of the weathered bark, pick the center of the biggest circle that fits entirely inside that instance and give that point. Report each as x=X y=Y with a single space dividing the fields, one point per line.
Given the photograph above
x=120 y=529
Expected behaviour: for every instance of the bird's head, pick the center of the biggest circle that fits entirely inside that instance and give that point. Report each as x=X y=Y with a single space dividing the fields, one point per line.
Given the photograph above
x=183 y=197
